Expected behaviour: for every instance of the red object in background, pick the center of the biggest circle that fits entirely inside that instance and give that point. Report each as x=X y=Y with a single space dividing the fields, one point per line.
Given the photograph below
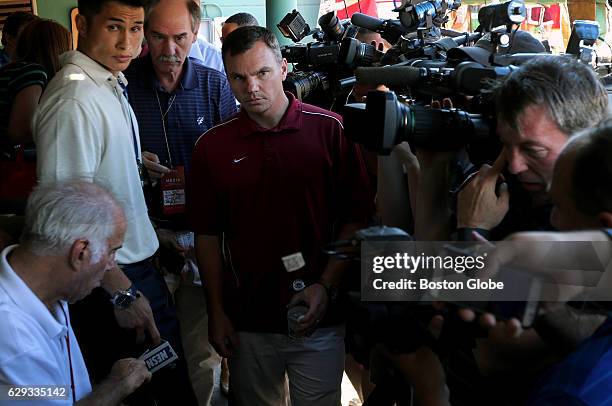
x=18 y=178
x=551 y=13
x=356 y=6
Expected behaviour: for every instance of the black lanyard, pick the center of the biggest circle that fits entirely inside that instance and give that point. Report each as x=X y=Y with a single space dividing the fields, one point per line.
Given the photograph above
x=129 y=115
x=125 y=94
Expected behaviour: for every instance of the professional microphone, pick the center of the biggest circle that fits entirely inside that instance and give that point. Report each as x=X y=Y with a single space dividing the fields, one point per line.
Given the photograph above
x=366 y=21
x=391 y=75
x=391 y=30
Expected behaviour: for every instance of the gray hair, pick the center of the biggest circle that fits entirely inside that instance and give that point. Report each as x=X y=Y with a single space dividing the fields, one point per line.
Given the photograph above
x=571 y=92
x=193 y=8
x=58 y=214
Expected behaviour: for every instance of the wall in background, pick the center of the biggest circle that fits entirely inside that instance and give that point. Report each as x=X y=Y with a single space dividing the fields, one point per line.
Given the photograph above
x=10 y=6
x=59 y=10
x=308 y=8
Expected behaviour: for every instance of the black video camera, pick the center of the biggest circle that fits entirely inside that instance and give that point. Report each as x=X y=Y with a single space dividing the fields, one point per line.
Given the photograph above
x=383 y=122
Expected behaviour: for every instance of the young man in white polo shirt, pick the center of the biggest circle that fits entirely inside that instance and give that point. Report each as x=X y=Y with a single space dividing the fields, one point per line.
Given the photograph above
x=85 y=128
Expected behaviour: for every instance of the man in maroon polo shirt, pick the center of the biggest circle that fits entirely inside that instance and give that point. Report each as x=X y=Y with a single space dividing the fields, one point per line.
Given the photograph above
x=269 y=188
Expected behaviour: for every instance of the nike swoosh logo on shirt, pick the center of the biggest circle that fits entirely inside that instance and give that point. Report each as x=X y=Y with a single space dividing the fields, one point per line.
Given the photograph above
x=239 y=159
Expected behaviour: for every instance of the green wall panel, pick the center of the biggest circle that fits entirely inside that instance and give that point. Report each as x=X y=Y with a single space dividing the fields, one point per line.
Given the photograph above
x=308 y=8
x=58 y=10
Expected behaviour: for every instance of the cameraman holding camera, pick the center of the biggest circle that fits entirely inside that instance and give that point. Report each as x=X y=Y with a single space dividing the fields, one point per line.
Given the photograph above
x=581 y=201
x=538 y=107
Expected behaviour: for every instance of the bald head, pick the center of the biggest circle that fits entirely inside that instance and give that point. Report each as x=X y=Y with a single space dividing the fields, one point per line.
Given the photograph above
x=171 y=28
x=173 y=9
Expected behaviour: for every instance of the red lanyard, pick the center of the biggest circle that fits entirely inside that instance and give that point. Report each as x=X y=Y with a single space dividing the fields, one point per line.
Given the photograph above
x=67 y=337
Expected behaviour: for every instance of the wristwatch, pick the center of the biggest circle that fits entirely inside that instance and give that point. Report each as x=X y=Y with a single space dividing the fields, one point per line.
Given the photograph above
x=122 y=299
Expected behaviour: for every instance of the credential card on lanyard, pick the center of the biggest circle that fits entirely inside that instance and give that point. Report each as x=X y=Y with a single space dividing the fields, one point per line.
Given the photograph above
x=173 y=191
x=293 y=262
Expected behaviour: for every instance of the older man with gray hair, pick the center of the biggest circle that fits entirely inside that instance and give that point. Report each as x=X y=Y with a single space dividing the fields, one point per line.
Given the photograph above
x=175 y=101
x=71 y=234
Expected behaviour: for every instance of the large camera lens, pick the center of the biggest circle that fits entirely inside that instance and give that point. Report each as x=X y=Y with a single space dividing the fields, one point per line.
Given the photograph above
x=510 y=12
x=389 y=117
x=414 y=17
x=379 y=123
x=303 y=84
x=444 y=130
x=330 y=24
x=385 y=122
x=354 y=53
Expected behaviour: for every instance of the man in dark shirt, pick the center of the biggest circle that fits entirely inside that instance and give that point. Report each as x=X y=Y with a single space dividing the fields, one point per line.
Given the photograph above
x=175 y=100
x=271 y=186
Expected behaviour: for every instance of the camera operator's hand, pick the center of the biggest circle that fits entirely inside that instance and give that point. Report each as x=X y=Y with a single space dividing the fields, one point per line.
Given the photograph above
x=478 y=206
x=315 y=297
x=167 y=239
x=423 y=369
x=508 y=346
x=221 y=333
x=488 y=321
x=405 y=154
x=360 y=91
x=139 y=316
x=151 y=163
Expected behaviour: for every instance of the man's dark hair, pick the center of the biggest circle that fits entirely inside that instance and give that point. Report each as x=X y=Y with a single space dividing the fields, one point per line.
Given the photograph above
x=592 y=170
x=16 y=21
x=90 y=8
x=242 y=19
x=243 y=38
x=192 y=7
x=571 y=92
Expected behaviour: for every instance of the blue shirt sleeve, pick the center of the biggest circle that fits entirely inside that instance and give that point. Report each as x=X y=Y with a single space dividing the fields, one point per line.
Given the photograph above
x=227 y=103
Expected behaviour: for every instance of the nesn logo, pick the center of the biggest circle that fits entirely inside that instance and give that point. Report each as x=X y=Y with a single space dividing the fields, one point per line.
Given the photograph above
x=159 y=357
